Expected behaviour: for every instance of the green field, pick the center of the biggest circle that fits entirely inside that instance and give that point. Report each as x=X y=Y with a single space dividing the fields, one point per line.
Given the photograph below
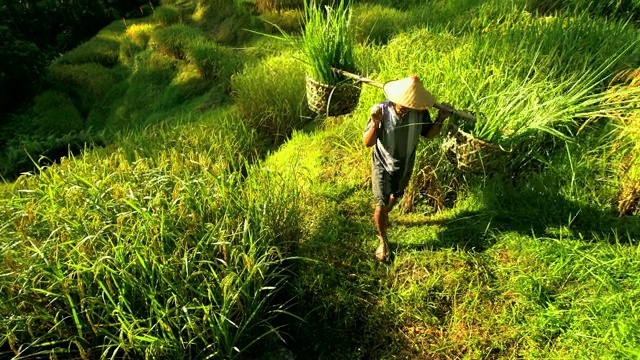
x=188 y=204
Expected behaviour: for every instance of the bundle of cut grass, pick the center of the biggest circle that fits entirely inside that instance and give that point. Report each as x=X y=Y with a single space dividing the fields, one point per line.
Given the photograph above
x=328 y=42
x=625 y=89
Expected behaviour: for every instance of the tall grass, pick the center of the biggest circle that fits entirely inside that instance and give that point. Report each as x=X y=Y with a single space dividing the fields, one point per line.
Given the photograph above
x=172 y=241
x=140 y=33
x=328 y=41
x=626 y=9
x=170 y=256
x=289 y=21
x=101 y=49
x=270 y=96
x=519 y=99
x=55 y=113
x=378 y=24
x=173 y=40
x=167 y=15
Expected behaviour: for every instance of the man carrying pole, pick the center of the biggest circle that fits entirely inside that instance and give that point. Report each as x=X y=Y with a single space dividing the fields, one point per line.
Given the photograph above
x=393 y=130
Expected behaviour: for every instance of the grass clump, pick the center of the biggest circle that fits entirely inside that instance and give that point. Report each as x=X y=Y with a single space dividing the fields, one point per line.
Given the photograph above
x=97 y=50
x=140 y=33
x=289 y=21
x=137 y=98
x=167 y=15
x=55 y=113
x=187 y=84
x=86 y=83
x=226 y=21
x=328 y=41
x=377 y=24
x=270 y=96
x=214 y=62
x=173 y=40
x=101 y=49
x=268 y=6
x=128 y=50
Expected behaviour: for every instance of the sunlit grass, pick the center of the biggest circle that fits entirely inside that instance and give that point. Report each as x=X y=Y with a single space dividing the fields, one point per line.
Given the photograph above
x=328 y=40
x=176 y=239
x=183 y=209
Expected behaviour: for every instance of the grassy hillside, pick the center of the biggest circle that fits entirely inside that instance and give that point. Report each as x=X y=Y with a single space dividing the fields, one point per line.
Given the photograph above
x=207 y=213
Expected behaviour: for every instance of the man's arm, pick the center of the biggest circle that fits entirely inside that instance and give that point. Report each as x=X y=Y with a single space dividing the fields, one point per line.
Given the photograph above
x=370 y=134
x=434 y=130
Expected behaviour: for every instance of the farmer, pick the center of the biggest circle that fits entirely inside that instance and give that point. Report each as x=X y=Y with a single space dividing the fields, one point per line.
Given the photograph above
x=393 y=129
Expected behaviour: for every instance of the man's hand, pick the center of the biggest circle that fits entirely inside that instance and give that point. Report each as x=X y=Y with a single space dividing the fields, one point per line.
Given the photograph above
x=376 y=116
x=369 y=138
x=443 y=113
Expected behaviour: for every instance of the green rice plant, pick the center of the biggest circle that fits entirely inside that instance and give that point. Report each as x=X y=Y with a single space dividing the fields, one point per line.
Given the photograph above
x=481 y=72
x=140 y=33
x=210 y=13
x=328 y=41
x=55 y=114
x=267 y=6
x=214 y=62
x=627 y=9
x=25 y=152
x=539 y=105
x=167 y=15
x=100 y=50
x=188 y=256
x=289 y=21
x=378 y=24
x=270 y=96
x=128 y=51
x=90 y=79
x=173 y=40
x=187 y=84
x=136 y=99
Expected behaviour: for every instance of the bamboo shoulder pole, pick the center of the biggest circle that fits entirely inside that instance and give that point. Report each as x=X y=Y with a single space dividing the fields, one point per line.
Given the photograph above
x=462 y=114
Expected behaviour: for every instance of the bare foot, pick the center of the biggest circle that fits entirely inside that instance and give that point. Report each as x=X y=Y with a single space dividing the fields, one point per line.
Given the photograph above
x=381 y=252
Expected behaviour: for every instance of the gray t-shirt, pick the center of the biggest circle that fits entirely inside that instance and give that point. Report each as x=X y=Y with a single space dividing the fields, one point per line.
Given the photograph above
x=397 y=138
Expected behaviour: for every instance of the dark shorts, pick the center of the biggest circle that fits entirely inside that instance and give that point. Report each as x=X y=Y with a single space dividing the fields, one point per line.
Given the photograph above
x=385 y=184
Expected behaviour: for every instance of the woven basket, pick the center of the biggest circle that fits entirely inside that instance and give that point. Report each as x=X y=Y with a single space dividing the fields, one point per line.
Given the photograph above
x=469 y=153
x=330 y=100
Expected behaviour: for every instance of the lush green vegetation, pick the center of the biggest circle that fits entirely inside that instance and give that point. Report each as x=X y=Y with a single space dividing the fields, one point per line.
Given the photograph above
x=328 y=41
x=217 y=217
x=34 y=32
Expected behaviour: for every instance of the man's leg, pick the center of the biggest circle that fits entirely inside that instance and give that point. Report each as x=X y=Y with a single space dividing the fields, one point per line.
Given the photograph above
x=392 y=202
x=381 y=217
x=381 y=191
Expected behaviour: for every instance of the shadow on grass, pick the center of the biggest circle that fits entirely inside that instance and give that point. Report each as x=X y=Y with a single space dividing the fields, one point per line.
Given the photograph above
x=339 y=288
x=529 y=213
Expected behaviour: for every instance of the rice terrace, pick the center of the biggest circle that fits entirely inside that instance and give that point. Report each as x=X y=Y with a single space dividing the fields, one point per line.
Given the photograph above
x=200 y=179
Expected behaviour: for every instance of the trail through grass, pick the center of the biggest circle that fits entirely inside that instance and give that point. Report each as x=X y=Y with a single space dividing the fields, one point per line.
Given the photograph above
x=221 y=219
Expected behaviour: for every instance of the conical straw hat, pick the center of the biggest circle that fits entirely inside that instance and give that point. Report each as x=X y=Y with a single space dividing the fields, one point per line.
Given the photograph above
x=409 y=92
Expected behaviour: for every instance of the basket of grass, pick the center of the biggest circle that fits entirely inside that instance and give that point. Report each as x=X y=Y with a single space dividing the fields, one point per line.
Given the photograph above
x=469 y=153
x=328 y=43
x=333 y=100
